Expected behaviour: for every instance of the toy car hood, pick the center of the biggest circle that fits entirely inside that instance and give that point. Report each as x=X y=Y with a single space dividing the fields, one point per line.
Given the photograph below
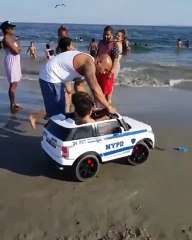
x=61 y=120
x=136 y=124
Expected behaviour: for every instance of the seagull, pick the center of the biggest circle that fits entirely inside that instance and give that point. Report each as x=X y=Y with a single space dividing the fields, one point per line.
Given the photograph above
x=60 y=5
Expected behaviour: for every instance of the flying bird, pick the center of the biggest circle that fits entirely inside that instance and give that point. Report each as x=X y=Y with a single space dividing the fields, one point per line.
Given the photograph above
x=60 y=5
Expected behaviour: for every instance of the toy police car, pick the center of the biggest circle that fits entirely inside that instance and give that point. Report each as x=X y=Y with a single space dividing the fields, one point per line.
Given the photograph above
x=85 y=146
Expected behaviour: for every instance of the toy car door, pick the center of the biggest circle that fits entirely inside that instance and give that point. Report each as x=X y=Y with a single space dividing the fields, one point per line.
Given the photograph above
x=112 y=142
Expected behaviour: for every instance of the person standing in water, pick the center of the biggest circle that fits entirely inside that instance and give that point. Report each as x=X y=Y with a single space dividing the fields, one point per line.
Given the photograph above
x=61 y=32
x=32 y=50
x=179 y=43
x=49 y=52
x=11 y=62
x=92 y=48
x=187 y=44
x=121 y=41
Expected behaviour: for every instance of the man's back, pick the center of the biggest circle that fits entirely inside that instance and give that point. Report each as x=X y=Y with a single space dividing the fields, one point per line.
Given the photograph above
x=60 y=68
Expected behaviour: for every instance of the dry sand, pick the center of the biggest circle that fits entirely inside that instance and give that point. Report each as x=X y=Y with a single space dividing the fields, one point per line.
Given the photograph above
x=151 y=201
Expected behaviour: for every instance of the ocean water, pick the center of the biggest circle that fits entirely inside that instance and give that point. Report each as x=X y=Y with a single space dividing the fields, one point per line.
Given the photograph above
x=154 y=62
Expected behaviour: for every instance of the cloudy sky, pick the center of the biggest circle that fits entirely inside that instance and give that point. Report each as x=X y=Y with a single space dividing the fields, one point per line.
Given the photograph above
x=128 y=12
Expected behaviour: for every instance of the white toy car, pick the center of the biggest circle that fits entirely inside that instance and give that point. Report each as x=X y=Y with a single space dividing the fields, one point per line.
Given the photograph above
x=85 y=146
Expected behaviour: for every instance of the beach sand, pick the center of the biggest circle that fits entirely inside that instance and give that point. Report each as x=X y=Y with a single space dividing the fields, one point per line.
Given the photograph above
x=151 y=201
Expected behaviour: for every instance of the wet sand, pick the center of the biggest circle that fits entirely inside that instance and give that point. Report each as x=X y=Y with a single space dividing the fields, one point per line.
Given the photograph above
x=154 y=199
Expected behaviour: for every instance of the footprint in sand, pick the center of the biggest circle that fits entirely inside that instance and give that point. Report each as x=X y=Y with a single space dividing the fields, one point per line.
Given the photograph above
x=185 y=233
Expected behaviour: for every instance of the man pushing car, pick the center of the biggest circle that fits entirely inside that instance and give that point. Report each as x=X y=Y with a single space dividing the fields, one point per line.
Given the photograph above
x=66 y=66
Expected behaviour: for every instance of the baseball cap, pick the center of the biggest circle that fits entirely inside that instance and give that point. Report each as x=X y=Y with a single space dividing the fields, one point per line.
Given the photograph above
x=5 y=25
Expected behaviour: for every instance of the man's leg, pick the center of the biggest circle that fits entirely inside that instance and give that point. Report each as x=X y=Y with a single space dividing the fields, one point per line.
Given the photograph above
x=36 y=116
x=54 y=97
x=68 y=93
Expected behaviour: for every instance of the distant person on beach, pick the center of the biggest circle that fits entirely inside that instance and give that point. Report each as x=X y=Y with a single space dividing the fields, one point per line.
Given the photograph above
x=121 y=40
x=92 y=48
x=49 y=52
x=11 y=62
x=179 y=43
x=65 y=67
x=128 y=45
x=80 y=39
x=63 y=32
x=126 y=42
x=32 y=50
x=108 y=46
x=187 y=44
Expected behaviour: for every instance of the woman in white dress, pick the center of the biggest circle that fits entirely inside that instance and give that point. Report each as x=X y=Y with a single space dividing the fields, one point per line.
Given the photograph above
x=12 y=63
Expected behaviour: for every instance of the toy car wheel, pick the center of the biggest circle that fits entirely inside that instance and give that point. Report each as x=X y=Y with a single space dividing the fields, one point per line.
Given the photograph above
x=139 y=154
x=86 y=167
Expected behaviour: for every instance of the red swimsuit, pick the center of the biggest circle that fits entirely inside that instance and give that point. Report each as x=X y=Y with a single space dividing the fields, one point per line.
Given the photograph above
x=106 y=83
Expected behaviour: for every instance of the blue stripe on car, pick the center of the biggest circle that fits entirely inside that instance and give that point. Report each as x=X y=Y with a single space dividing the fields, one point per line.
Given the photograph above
x=117 y=135
x=117 y=150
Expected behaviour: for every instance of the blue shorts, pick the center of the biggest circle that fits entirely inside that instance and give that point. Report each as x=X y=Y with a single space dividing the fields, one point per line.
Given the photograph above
x=53 y=97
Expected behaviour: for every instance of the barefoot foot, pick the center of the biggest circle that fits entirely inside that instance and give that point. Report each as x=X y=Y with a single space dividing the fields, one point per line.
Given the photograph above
x=13 y=109
x=19 y=106
x=32 y=121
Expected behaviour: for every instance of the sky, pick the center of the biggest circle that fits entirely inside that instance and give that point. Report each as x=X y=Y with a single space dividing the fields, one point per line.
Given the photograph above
x=120 y=12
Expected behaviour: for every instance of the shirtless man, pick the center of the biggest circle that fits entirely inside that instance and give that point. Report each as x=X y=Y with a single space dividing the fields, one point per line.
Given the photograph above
x=92 y=48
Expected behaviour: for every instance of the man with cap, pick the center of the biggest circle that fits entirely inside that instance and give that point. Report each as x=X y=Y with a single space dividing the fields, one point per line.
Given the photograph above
x=11 y=62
